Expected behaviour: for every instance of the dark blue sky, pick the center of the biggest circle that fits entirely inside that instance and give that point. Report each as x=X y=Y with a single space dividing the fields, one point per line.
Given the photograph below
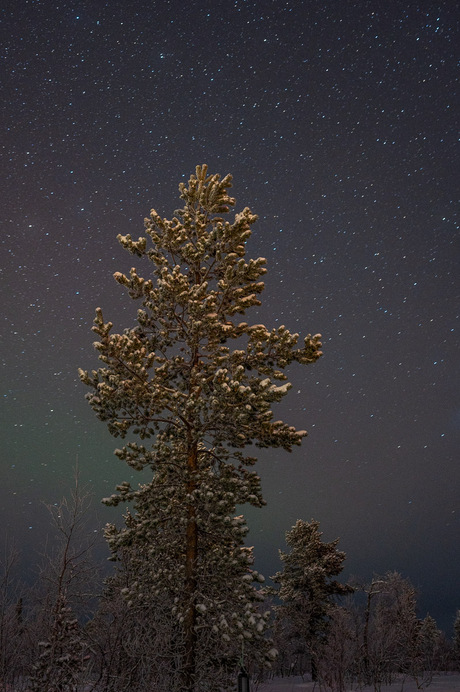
x=338 y=122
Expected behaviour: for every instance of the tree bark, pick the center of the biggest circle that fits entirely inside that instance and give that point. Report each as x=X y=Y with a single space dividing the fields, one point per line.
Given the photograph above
x=191 y=551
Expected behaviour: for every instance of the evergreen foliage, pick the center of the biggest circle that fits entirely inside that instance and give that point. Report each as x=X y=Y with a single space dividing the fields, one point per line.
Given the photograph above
x=61 y=660
x=306 y=590
x=193 y=386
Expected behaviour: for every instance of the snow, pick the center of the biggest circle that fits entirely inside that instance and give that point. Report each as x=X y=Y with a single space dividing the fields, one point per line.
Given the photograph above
x=439 y=683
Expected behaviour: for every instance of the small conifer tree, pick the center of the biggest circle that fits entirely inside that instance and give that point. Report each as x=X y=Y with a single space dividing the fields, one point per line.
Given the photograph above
x=307 y=590
x=61 y=660
x=193 y=386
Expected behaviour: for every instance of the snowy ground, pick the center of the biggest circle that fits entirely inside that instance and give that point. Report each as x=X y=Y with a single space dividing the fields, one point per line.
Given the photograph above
x=440 y=683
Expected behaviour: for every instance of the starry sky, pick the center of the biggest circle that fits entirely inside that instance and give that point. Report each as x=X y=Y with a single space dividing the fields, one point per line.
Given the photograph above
x=338 y=122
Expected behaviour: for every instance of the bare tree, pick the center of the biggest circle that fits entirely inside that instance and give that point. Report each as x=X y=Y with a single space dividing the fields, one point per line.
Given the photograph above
x=456 y=640
x=391 y=634
x=66 y=581
x=338 y=652
x=12 y=641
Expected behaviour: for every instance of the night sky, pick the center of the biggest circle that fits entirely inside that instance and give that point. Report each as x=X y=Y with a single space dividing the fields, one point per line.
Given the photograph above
x=338 y=122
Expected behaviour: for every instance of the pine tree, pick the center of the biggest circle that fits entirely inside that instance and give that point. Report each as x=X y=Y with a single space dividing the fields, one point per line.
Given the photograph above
x=192 y=403
x=62 y=658
x=307 y=592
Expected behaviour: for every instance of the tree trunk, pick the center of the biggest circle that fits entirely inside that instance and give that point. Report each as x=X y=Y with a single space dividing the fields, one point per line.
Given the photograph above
x=191 y=551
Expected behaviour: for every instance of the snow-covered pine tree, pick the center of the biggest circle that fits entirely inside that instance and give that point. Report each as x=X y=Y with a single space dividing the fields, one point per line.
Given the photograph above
x=62 y=660
x=307 y=591
x=192 y=403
